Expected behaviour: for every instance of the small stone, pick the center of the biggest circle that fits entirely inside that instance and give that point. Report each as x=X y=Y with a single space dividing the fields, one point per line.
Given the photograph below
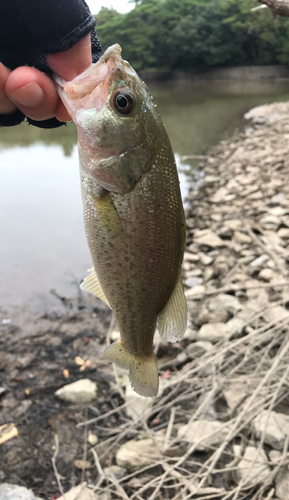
x=80 y=492
x=193 y=281
x=196 y=292
x=15 y=492
x=235 y=326
x=209 y=239
x=253 y=467
x=208 y=273
x=282 y=483
x=278 y=198
x=114 y=336
x=266 y=274
x=225 y=301
x=82 y=464
x=199 y=348
x=273 y=426
x=194 y=272
x=260 y=260
x=205 y=433
x=219 y=195
x=242 y=238
x=2 y=390
x=213 y=331
x=92 y=439
x=80 y=392
x=283 y=233
x=206 y=260
x=275 y=313
x=235 y=392
x=191 y=257
x=133 y=455
x=115 y=472
x=136 y=404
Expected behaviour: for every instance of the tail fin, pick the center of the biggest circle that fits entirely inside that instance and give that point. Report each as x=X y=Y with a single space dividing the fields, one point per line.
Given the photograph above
x=143 y=371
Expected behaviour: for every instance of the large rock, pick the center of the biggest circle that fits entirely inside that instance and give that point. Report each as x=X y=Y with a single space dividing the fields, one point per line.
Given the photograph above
x=80 y=392
x=15 y=492
x=273 y=426
x=134 y=455
x=204 y=433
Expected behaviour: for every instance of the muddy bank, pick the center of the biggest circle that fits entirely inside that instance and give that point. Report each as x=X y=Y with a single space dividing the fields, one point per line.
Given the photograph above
x=218 y=428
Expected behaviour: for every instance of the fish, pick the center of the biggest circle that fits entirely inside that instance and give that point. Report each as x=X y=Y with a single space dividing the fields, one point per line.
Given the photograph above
x=133 y=213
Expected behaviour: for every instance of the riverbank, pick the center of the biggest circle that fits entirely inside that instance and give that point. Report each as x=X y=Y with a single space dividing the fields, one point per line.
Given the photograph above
x=218 y=426
x=235 y=74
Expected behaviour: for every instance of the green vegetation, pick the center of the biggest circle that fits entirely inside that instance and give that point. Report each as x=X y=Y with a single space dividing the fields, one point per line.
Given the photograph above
x=195 y=34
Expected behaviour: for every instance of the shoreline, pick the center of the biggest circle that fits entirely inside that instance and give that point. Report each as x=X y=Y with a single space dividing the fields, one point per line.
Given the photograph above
x=223 y=400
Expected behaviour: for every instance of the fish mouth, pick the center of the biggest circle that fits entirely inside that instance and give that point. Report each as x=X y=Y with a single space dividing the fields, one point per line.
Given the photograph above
x=91 y=87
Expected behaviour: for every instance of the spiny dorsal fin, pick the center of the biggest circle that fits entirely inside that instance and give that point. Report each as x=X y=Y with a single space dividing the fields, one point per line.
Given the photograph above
x=172 y=321
x=91 y=284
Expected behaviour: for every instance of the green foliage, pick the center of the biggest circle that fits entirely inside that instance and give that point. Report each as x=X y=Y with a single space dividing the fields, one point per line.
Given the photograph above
x=195 y=34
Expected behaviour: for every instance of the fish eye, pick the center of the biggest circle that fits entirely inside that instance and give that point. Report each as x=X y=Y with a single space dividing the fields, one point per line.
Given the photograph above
x=123 y=101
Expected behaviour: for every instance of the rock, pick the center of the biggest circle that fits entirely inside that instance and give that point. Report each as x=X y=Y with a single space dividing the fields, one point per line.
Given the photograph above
x=260 y=260
x=275 y=313
x=275 y=427
x=196 y=292
x=193 y=281
x=235 y=392
x=2 y=391
x=136 y=404
x=206 y=260
x=82 y=391
x=197 y=349
x=206 y=433
x=208 y=273
x=283 y=233
x=209 y=239
x=277 y=198
x=191 y=257
x=253 y=468
x=82 y=464
x=115 y=335
x=266 y=274
x=282 y=483
x=15 y=492
x=134 y=455
x=213 y=331
x=241 y=237
x=92 y=439
x=115 y=472
x=219 y=195
x=235 y=325
x=80 y=492
x=194 y=272
x=225 y=301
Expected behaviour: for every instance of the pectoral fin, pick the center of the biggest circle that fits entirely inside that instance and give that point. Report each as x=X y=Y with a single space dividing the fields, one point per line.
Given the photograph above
x=172 y=321
x=108 y=214
x=91 y=284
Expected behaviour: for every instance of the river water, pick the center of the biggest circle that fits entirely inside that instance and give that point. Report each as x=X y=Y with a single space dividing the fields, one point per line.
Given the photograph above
x=42 y=241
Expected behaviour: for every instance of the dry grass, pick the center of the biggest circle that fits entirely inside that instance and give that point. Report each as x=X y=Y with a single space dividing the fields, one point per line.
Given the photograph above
x=260 y=359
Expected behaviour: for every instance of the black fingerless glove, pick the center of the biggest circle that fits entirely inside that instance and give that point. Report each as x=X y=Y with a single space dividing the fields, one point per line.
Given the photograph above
x=32 y=28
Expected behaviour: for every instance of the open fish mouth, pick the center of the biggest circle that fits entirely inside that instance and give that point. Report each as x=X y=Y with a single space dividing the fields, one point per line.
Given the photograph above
x=93 y=84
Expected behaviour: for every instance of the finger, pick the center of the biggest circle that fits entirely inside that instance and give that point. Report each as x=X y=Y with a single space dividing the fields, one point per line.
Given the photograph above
x=72 y=62
x=6 y=105
x=32 y=92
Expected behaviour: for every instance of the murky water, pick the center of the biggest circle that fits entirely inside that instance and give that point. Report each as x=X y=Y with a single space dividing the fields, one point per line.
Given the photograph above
x=42 y=241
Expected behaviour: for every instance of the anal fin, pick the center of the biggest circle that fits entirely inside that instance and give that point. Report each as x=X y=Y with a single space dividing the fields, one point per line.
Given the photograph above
x=172 y=320
x=91 y=284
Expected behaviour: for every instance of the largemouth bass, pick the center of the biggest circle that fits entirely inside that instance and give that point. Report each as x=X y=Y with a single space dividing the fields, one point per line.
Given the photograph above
x=133 y=214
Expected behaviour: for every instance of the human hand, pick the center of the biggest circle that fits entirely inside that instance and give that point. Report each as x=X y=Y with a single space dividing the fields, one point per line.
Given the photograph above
x=33 y=92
